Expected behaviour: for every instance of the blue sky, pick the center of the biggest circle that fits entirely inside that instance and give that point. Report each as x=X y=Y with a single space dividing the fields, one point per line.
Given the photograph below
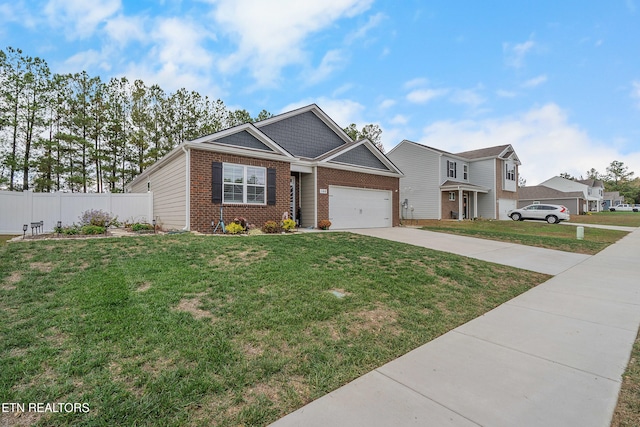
x=559 y=80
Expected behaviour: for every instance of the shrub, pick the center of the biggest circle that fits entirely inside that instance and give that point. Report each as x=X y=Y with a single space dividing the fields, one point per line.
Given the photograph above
x=71 y=230
x=93 y=229
x=270 y=227
x=98 y=218
x=288 y=224
x=234 y=228
x=324 y=224
x=141 y=227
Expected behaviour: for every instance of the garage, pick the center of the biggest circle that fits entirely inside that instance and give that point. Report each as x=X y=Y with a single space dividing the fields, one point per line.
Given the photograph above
x=351 y=207
x=504 y=206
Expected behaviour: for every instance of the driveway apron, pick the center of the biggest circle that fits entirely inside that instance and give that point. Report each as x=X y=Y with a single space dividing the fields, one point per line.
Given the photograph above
x=553 y=356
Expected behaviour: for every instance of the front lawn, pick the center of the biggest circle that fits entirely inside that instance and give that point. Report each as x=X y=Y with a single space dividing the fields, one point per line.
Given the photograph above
x=541 y=234
x=4 y=238
x=628 y=219
x=183 y=330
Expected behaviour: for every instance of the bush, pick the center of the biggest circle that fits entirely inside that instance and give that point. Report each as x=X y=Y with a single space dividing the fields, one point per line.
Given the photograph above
x=324 y=224
x=288 y=224
x=270 y=227
x=71 y=230
x=141 y=227
x=93 y=229
x=98 y=218
x=234 y=228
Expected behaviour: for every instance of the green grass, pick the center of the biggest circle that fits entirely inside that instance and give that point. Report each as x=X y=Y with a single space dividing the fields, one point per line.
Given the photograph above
x=4 y=238
x=628 y=219
x=627 y=412
x=540 y=234
x=189 y=330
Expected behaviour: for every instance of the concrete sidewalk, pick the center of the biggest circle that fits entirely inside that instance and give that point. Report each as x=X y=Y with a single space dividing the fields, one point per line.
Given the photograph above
x=541 y=260
x=553 y=356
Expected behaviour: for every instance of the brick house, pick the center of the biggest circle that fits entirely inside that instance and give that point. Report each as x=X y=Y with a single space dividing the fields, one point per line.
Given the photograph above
x=300 y=162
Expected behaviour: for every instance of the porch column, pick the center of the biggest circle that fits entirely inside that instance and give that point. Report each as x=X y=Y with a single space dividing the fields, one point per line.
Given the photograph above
x=475 y=204
x=460 y=207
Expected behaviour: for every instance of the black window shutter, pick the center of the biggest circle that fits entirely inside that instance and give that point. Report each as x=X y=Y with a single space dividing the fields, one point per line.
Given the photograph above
x=216 y=182
x=271 y=186
x=448 y=168
x=455 y=170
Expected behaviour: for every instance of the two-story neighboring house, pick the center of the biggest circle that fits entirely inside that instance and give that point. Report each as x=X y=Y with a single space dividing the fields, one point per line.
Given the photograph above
x=442 y=185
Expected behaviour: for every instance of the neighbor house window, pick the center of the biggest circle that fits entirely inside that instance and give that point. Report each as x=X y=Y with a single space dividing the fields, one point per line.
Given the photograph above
x=510 y=172
x=244 y=184
x=451 y=169
x=465 y=172
x=452 y=196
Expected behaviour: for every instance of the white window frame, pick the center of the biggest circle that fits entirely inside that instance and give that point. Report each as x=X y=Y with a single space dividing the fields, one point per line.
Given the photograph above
x=452 y=196
x=510 y=172
x=246 y=170
x=451 y=169
x=465 y=172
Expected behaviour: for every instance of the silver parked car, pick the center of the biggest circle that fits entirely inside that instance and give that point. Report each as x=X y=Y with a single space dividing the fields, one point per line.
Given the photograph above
x=550 y=213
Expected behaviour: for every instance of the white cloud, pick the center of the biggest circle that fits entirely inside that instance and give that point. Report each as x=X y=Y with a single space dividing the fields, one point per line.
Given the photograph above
x=545 y=141
x=417 y=82
x=515 y=53
x=422 y=96
x=635 y=91
x=387 y=103
x=124 y=29
x=270 y=35
x=332 y=59
x=374 y=21
x=80 y=18
x=342 y=111
x=502 y=93
x=469 y=97
x=536 y=81
x=399 y=119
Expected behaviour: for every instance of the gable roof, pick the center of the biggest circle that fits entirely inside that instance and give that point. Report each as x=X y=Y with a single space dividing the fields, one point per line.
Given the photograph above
x=540 y=192
x=499 y=151
x=591 y=182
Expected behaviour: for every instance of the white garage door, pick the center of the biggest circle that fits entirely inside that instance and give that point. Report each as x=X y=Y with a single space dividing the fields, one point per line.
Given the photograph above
x=504 y=206
x=359 y=207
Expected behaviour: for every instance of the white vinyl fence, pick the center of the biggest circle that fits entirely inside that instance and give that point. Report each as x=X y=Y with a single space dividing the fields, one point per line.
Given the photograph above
x=26 y=207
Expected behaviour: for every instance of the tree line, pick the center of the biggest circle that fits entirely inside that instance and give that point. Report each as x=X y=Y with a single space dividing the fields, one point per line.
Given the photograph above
x=75 y=132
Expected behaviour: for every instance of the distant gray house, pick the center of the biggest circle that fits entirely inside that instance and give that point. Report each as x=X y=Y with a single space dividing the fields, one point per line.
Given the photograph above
x=573 y=200
x=441 y=185
x=611 y=198
x=591 y=193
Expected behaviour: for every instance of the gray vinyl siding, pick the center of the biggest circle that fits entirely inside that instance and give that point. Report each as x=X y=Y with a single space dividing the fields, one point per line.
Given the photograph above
x=421 y=183
x=303 y=135
x=168 y=185
x=482 y=173
x=361 y=156
x=307 y=199
x=243 y=139
x=459 y=170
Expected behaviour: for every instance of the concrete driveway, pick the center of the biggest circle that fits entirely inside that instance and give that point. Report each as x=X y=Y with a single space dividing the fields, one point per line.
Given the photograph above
x=541 y=260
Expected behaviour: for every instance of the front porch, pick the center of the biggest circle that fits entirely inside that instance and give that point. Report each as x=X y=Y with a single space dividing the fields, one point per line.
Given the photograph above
x=459 y=200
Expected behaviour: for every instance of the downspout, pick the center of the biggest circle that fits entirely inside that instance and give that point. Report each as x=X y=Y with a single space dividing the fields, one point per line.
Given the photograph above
x=187 y=219
x=315 y=197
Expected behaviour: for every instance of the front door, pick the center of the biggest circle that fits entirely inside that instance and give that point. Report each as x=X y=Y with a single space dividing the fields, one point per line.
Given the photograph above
x=465 y=206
